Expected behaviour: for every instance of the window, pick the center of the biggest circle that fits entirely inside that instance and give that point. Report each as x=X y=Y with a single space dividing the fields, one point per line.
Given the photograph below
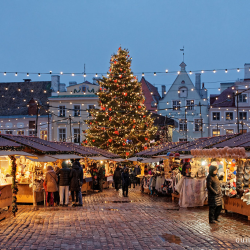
x=243 y=131
x=216 y=116
x=20 y=132
x=176 y=105
x=229 y=116
x=62 y=134
x=76 y=135
x=183 y=125
x=242 y=98
x=182 y=82
x=183 y=92
x=182 y=139
x=229 y=131
x=44 y=135
x=32 y=133
x=32 y=124
x=76 y=110
x=62 y=111
x=9 y=132
x=190 y=104
x=242 y=115
x=84 y=89
x=91 y=106
x=197 y=124
x=216 y=132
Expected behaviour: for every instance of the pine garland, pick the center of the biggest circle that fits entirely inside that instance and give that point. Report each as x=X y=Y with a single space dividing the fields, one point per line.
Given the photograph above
x=14 y=185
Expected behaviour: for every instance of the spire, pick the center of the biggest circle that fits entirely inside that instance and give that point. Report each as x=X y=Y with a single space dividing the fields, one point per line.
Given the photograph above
x=183 y=66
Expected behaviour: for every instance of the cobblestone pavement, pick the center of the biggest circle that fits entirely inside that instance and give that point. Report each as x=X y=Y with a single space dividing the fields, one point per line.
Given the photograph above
x=109 y=221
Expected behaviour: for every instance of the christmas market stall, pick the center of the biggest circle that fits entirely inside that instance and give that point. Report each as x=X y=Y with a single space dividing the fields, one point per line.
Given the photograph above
x=9 y=151
x=190 y=183
x=30 y=169
x=94 y=161
x=235 y=155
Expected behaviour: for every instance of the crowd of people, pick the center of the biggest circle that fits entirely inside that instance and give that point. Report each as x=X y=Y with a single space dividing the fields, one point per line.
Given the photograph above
x=59 y=182
x=125 y=178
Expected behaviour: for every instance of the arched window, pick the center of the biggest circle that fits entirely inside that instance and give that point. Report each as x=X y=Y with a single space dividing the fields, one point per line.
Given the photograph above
x=182 y=82
x=183 y=92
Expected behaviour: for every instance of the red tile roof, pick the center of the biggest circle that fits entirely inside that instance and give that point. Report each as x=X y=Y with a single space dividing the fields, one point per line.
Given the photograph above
x=225 y=99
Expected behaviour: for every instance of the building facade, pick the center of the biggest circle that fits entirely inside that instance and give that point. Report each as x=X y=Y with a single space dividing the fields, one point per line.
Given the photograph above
x=24 y=108
x=187 y=104
x=229 y=111
x=69 y=109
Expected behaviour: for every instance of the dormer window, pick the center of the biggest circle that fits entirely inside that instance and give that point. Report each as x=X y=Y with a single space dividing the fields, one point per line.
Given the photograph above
x=183 y=92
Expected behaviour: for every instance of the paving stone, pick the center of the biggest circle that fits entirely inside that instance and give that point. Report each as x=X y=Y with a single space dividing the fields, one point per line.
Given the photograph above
x=108 y=220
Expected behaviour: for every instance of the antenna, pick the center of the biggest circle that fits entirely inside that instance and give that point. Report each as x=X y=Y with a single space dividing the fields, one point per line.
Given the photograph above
x=84 y=72
x=183 y=52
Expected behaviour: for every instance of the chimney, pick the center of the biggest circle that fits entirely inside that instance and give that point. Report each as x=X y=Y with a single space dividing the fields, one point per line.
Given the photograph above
x=72 y=83
x=247 y=71
x=198 y=81
x=55 y=81
x=163 y=90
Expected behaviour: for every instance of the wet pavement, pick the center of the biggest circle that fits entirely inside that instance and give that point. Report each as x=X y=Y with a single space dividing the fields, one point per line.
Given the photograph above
x=109 y=221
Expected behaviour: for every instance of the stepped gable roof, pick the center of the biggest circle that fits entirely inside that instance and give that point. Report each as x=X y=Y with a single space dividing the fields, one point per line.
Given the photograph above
x=151 y=88
x=17 y=106
x=225 y=99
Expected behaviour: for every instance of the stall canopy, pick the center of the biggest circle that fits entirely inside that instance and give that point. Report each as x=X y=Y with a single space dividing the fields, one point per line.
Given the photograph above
x=91 y=151
x=206 y=142
x=159 y=149
x=242 y=140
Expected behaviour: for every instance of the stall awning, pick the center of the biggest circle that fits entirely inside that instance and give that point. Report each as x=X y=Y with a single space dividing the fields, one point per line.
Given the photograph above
x=118 y=159
x=41 y=158
x=98 y=158
x=135 y=158
x=149 y=160
x=2 y=153
x=66 y=156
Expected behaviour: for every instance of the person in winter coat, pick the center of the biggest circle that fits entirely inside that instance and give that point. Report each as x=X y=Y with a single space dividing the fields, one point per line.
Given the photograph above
x=117 y=178
x=125 y=182
x=75 y=176
x=214 y=194
x=51 y=180
x=137 y=171
x=64 y=173
x=101 y=177
x=132 y=178
x=81 y=182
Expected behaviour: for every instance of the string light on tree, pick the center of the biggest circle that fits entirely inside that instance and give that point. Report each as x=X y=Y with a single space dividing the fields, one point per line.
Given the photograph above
x=122 y=124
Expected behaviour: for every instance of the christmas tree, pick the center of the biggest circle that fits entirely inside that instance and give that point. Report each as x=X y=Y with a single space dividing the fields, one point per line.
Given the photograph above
x=122 y=124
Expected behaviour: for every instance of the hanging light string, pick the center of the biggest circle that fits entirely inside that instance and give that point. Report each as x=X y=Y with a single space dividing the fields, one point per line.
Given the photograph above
x=85 y=74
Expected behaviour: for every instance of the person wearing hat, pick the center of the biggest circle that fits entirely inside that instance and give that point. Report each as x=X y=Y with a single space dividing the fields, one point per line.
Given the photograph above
x=214 y=193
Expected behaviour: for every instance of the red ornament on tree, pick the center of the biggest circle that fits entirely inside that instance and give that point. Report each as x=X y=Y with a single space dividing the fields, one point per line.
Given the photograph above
x=125 y=94
x=145 y=148
x=127 y=153
x=110 y=140
x=146 y=139
x=115 y=81
x=110 y=118
x=120 y=76
x=116 y=132
x=139 y=107
x=93 y=140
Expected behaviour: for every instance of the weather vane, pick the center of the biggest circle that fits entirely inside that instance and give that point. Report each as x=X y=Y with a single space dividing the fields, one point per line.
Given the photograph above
x=183 y=52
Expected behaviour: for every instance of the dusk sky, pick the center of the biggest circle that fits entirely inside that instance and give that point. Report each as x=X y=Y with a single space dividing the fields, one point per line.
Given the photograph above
x=39 y=36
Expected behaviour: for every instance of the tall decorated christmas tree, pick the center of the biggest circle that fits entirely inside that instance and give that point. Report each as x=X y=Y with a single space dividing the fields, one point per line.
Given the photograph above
x=122 y=124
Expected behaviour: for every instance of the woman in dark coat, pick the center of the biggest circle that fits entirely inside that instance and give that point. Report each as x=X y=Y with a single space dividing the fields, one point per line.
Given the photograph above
x=75 y=182
x=125 y=182
x=117 y=178
x=214 y=194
